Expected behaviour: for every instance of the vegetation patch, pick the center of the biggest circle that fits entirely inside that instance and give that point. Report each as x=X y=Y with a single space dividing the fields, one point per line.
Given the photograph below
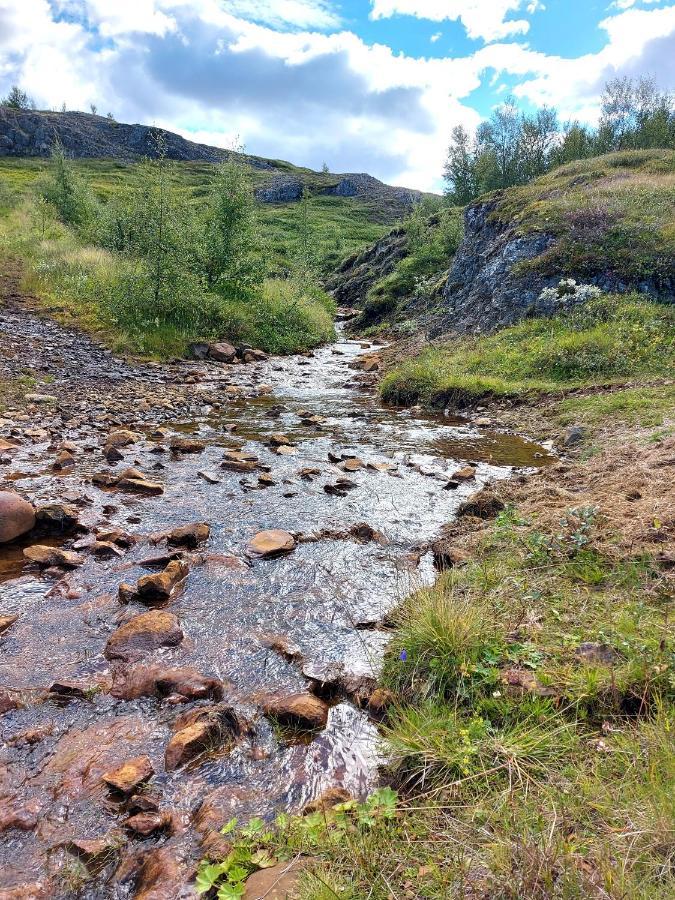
x=607 y=340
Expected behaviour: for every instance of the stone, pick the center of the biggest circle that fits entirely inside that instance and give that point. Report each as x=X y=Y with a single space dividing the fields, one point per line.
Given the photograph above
x=121 y=438
x=63 y=462
x=574 y=435
x=198 y=350
x=277 y=439
x=6 y=622
x=222 y=352
x=162 y=681
x=143 y=634
x=157 y=588
x=41 y=398
x=113 y=455
x=186 y=445
x=130 y=775
x=209 y=477
x=140 y=486
x=105 y=549
x=466 y=473
x=266 y=544
x=280 y=882
x=380 y=700
x=93 y=850
x=17 y=516
x=158 y=876
x=147 y=823
x=352 y=465
x=57 y=517
x=448 y=557
x=189 y=535
x=330 y=798
x=593 y=653
x=483 y=505
x=298 y=710
x=202 y=730
x=19 y=813
x=6 y=446
x=266 y=480
x=286 y=450
x=53 y=556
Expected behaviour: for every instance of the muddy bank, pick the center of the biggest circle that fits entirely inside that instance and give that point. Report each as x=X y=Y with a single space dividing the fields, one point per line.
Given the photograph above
x=225 y=674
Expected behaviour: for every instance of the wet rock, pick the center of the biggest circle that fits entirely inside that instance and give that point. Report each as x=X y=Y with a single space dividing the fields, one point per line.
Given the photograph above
x=282 y=645
x=6 y=622
x=266 y=480
x=279 y=882
x=352 y=465
x=335 y=490
x=162 y=681
x=156 y=875
x=17 y=516
x=198 y=351
x=113 y=455
x=143 y=634
x=209 y=477
x=330 y=798
x=380 y=700
x=8 y=700
x=147 y=823
x=157 y=588
x=298 y=710
x=96 y=850
x=308 y=473
x=53 y=556
x=203 y=730
x=63 y=462
x=484 y=505
x=130 y=775
x=144 y=802
x=251 y=355
x=57 y=518
x=121 y=438
x=186 y=445
x=68 y=690
x=222 y=352
x=35 y=890
x=105 y=549
x=6 y=446
x=285 y=450
x=365 y=533
x=140 y=486
x=448 y=557
x=267 y=544
x=103 y=479
x=277 y=439
x=189 y=535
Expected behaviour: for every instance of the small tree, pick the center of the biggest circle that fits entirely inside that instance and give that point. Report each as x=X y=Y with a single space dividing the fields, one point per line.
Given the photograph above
x=325 y=169
x=72 y=200
x=232 y=256
x=94 y=109
x=18 y=99
x=459 y=171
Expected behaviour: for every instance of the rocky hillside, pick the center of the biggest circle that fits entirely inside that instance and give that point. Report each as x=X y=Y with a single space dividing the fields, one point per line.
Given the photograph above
x=608 y=221
x=29 y=133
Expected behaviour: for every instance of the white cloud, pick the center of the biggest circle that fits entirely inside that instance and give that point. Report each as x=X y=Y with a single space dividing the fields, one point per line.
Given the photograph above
x=481 y=19
x=436 y=37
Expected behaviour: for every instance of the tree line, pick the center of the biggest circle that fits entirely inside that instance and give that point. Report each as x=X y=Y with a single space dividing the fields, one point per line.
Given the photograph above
x=513 y=147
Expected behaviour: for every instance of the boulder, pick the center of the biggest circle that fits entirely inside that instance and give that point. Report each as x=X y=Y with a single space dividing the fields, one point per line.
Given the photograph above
x=17 y=516
x=298 y=710
x=143 y=634
x=147 y=823
x=121 y=438
x=53 y=556
x=163 y=681
x=140 y=486
x=266 y=544
x=222 y=352
x=202 y=730
x=57 y=517
x=279 y=882
x=157 y=588
x=186 y=445
x=130 y=775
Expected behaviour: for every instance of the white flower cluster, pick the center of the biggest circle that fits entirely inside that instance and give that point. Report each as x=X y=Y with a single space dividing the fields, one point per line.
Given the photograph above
x=571 y=292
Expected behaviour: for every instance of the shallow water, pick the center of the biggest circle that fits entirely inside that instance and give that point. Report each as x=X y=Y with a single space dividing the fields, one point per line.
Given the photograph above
x=327 y=597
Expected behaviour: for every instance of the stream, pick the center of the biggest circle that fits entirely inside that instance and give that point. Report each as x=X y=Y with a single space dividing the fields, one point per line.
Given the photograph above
x=312 y=619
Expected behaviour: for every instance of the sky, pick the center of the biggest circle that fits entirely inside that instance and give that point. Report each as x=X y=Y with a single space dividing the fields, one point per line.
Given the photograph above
x=361 y=85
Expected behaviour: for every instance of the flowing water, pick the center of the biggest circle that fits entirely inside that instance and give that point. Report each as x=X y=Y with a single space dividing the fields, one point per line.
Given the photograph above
x=326 y=600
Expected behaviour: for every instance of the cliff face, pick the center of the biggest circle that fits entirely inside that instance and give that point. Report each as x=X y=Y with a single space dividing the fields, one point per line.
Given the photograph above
x=351 y=282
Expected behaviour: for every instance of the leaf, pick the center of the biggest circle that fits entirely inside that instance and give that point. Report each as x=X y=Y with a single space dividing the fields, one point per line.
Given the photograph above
x=237 y=873
x=263 y=859
x=207 y=876
x=229 y=891
x=255 y=826
x=229 y=827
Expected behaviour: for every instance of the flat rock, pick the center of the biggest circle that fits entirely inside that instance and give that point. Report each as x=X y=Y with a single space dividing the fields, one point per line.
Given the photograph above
x=57 y=517
x=189 y=535
x=271 y=543
x=143 y=634
x=186 y=445
x=140 y=486
x=53 y=556
x=164 y=681
x=280 y=882
x=130 y=775
x=17 y=516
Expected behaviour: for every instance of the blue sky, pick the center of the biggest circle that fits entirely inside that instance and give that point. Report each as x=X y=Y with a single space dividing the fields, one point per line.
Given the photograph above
x=364 y=85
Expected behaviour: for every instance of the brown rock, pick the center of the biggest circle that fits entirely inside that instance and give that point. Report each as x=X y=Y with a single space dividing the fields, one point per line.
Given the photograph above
x=157 y=588
x=327 y=800
x=161 y=681
x=300 y=710
x=19 y=813
x=464 y=474
x=63 y=462
x=17 y=516
x=6 y=622
x=190 y=742
x=96 y=850
x=189 y=535
x=53 y=556
x=143 y=634
x=147 y=823
x=447 y=556
x=140 y=486
x=380 y=699
x=279 y=440
x=130 y=775
x=352 y=465
x=186 y=445
x=280 y=882
x=159 y=876
x=5 y=446
x=271 y=543
x=8 y=701
x=484 y=505
x=105 y=549
x=121 y=438
x=222 y=352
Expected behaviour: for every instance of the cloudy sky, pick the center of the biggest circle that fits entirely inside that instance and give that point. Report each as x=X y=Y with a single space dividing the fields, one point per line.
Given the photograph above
x=364 y=85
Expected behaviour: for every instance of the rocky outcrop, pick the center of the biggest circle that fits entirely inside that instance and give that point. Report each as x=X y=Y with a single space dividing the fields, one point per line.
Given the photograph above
x=351 y=282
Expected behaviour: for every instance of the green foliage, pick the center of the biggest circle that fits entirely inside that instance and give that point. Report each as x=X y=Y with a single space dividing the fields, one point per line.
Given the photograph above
x=17 y=99
x=258 y=845
x=608 y=339
x=74 y=203
x=633 y=406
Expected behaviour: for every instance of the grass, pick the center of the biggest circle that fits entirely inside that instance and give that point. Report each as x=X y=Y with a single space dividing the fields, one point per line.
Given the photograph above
x=606 y=341
x=641 y=407
x=613 y=215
